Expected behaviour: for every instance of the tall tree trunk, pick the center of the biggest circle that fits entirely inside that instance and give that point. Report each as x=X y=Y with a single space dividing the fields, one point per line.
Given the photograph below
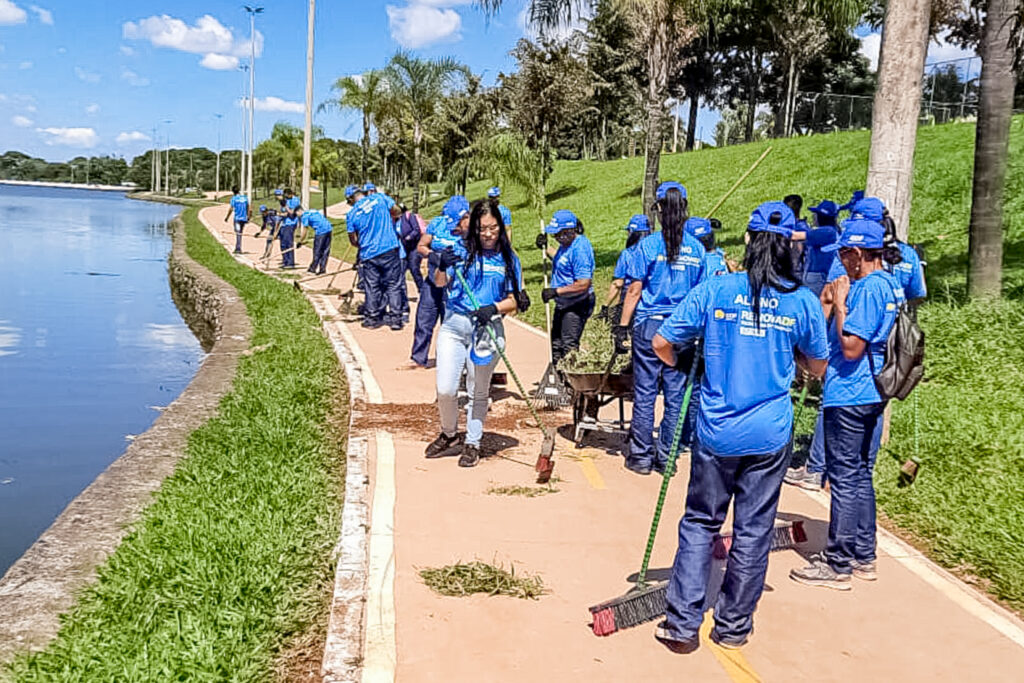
x=657 y=89
x=691 y=124
x=897 y=106
x=417 y=143
x=991 y=147
x=753 y=85
x=365 y=163
x=791 y=107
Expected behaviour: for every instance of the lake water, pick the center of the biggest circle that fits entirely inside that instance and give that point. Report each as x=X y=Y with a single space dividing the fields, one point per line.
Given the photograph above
x=90 y=345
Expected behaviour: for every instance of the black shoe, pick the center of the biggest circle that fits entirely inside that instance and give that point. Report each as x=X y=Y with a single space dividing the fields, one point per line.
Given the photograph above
x=397 y=327
x=470 y=456
x=311 y=271
x=443 y=444
x=372 y=324
x=727 y=643
x=638 y=470
x=679 y=647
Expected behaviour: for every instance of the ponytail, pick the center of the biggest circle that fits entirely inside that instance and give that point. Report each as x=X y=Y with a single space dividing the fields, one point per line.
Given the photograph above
x=672 y=214
x=769 y=262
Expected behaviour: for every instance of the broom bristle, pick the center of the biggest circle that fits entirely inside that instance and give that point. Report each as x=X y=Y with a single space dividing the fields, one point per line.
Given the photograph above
x=784 y=536
x=636 y=607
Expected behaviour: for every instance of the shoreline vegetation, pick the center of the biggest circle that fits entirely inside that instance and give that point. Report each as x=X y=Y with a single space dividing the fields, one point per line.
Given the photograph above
x=228 y=572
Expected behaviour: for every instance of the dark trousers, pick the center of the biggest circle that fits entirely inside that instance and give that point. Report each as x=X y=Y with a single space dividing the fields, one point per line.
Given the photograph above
x=412 y=264
x=321 y=252
x=651 y=377
x=429 y=310
x=752 y=483
x=383 y=279
x=850 y=450
x=287 y=236
x=239 y=228
x=567 y=325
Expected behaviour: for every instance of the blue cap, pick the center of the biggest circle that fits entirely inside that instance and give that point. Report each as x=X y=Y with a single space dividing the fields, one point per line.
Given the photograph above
x=857 y=196
x=263 y=207
x=494 y=192
x=669 y=185
x=350 y=190
x=698 y=227
x=279 y=192
x=759 y=219
x=869 y=208
x=294 y=203
x=563 y=219
x=859 y=232
x=455 y=208
x=827 y=207
x=638 y=223
x=368 y=187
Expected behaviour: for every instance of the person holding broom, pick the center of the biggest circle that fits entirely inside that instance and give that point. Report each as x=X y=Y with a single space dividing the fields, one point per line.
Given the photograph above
x=756 y=327
x=571 y=286
x=286 y=232
x=492 y=272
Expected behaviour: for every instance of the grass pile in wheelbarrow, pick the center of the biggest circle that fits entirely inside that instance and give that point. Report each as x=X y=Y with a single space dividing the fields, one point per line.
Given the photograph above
x=596 y=349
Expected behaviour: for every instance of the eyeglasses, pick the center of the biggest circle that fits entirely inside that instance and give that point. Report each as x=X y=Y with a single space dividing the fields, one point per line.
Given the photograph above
x=489 y=227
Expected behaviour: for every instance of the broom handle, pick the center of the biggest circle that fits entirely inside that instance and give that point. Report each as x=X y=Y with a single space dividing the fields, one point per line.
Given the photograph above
x=669 y=469
x=501 y=352
x=739 y=182
x=800 y=408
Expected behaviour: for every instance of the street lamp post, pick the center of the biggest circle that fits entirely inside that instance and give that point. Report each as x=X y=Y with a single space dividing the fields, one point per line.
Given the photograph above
x=245 y=128
x=307 y=134
x=216 y=191
x=167 y=174
x=253 y=11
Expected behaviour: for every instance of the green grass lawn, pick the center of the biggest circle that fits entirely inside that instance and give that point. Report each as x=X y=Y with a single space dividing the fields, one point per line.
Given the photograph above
x=966 y=423
x=229 y=569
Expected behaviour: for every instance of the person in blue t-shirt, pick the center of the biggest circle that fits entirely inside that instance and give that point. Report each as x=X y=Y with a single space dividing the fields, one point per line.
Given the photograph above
x=240 y=208
x=825 y=231
x=271 y=220
x=571 y=286
x=322 y=232
x=637 y=229
x=864 y=307
x=286 y=232
x=665 y=267
x=442 y=233
x=494 y=194
x=371 y=228
x=756 y=327
x=704 y=230
x=494 y=276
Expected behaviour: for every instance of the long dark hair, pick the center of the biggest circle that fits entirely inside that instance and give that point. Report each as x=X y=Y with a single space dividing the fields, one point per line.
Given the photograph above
x=769 y=262
x=634 y=237
x=891 y=253
x=672 y=214
x=475 y=249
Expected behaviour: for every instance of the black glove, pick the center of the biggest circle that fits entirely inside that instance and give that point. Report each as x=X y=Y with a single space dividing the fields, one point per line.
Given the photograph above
x=542 y=241
x=447 y=258
x=603 y=314
x=523 y=301
x=620 y=333
x=716 y=224
x=548 y=293
x=433 y=260
x=484 y=314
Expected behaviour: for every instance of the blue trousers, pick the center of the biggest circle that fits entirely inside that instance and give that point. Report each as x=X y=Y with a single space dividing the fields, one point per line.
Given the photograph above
x=651 y=377
x=383 y=279
x=321 y=252
x=412 y=264
x=287 y=236
x=239 y=227
x=429 y=310
x=752 y=484
x=816 y=456
x=850 y=450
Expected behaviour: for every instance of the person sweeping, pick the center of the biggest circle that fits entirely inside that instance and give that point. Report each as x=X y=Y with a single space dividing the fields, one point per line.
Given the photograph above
x=750 y=322
x=571 y=286
x=286 y=233
x=637 y=229
x=493 y=274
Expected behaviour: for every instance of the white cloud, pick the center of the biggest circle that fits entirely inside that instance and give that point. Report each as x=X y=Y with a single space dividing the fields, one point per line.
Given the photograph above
x=85 y=76
x=21 y=121
x=70 y=137
x=133 y=79
x=92 y=108
x=31 y=108
x=133 y=136
x=941 y=50
x=25 y=65
x=127 y=50
x=45 y=15
x=420 y=23
x=869 y=47
x=11 y=14
x=275 y=104
x=579 y=22
x=217 y=62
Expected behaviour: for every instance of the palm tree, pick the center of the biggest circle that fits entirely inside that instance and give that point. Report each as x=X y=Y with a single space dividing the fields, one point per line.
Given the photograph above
x=365 y=94
x=419 y=84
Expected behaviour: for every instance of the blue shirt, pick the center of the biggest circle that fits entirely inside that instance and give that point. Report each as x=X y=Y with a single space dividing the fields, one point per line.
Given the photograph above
x=487 y=279
x=289 y=222
x=572 y=263
x=836 y=270
x=745 y=408
x=370 y=218
x=622 y=265
x=665 y=285
x=871 y=308
x=313 y=217
x=816 y=260
x=506 y=215
x=714 y=263
x=442 y=237
x=909 y=273
x=270 y=219
x=240 y=205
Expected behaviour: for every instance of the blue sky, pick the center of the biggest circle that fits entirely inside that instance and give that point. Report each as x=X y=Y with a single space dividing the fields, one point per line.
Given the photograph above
x=97 y=77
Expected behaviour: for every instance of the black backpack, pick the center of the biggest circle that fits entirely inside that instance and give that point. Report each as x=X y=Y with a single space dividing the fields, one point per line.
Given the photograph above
x=904 y=357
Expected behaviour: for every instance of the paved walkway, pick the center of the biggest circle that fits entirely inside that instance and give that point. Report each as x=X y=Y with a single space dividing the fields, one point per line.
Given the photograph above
x=915 y=623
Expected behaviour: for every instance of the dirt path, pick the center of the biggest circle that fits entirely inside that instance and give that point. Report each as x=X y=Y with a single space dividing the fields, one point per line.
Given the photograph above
x=915 y=623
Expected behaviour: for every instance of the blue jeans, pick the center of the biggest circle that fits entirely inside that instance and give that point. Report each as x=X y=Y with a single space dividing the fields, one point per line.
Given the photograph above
x=412 y=264
x=239 y=227
x=651 y=376
x=429 y=309
x=752 y=483
x=383 y=278
x=287 y=236
x=850 y=449
x=453 y=344
x=321 y=252
x=816 y=456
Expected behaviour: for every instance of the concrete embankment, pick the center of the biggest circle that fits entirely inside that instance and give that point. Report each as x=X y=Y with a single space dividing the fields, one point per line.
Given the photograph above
x=45 y=581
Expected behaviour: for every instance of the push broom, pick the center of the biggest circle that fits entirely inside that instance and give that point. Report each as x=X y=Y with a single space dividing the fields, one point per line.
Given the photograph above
x=545 y=466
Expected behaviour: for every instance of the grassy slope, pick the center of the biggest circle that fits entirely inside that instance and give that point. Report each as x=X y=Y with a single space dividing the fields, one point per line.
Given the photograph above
x=231 y=560
x=969 y=428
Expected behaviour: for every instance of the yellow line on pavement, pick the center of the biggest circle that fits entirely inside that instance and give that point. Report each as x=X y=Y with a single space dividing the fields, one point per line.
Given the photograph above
x=590 y=472
x=733 y=661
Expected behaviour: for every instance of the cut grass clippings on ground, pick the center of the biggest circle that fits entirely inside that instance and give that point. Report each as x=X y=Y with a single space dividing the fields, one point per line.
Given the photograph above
x=462 y=579
x=523 y=491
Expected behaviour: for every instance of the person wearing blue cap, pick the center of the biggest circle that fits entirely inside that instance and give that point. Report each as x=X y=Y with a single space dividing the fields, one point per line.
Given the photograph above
x=263 y=220
x=369 y=188
x=410 y=229
x=750 y=322
x=443 y=233
x=817 y=263
x=271 y=222
x=371 y=228
x=704 y=230
x=286 y=233
x=863 y=307
x=322 y=233
x=239 y=206
x=637 y=229
x=493 y=274
x=666 y=266
x=571 y=286
x=506 y=214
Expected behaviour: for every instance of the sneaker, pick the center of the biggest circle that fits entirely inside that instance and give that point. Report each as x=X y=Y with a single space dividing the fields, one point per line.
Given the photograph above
x=442 y=444
x=679 y=647
x=637 y=469
x=799 y=476
x=372 y=324
x=865 y=571
x=727 y=643
x=470 y=456
x=819 y=573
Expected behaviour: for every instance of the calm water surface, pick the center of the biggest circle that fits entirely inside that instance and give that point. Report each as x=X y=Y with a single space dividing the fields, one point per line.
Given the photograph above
x=90 y=345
